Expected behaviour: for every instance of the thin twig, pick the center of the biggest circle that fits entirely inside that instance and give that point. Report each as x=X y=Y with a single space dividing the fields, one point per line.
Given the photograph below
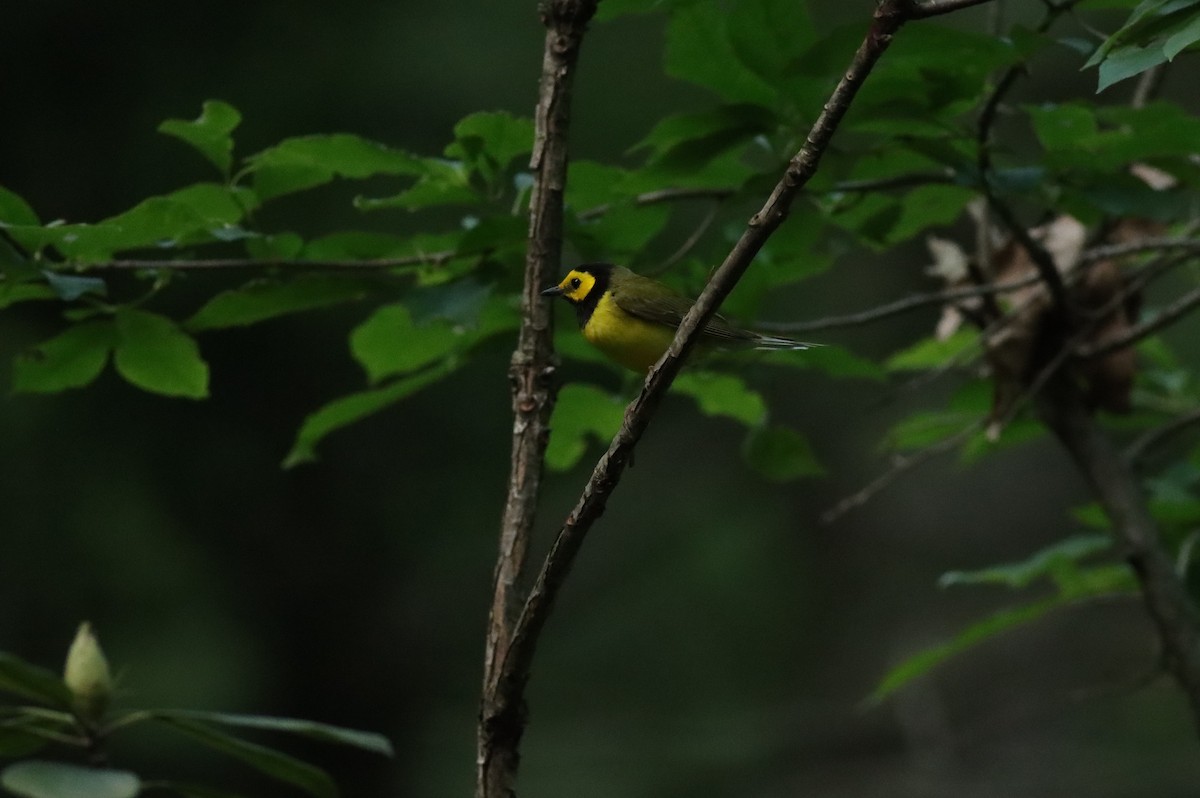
x=1167 y=316
x=689 y=244
x=420 y=259
x=659 y=196
x=1152 y=438
x=1148 y=85
x=898 y=307
x=901 y=464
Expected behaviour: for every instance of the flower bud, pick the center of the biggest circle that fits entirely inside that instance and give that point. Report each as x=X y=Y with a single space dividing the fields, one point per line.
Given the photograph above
x=86 y=674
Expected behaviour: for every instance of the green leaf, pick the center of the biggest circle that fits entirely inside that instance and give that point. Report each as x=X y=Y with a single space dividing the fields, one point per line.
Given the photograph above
x=265 y=299
x=931 y=353
x=324 y=732
x=699 y=50
x=40 y=779
x=780 y=454
x=581 y=412
x=722 y=395
x=71 y=359
x=1050 y=563
x=299 y=163
x=273 y=763
x=198 y=213
x=33 y=682
x=210 y=133
x=768 y=35
x=12 y=293
x=1125 y=62
x=441 y=183
x=69 y=287
x=1184 y=38
x=621 y=233
x=355 y=407
x=925 y=661
x=15 y=210
x=1082 y=584
x=390 y=342
x=491 y=140
x=156 y=356
x=924 y=428
x=929 y=206
x=694 y=138
x=459 y=302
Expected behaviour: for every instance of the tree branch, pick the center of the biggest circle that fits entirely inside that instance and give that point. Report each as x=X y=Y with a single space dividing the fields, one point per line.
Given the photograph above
x=421 y=259
x=502 y=710
x=1063 y=409
x=889 y=16
x=1171 y=313
x=1152 y=438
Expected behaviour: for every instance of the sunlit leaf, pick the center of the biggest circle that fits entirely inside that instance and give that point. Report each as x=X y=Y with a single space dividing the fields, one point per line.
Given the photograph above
x=299 y=163
x=210 y=133
x=390 y=342
x=780 y=454
x=581 y=413
x=441 y=183
x=71 y=359
x=40 y=779
x=722 y=395
x=931 y=353
x=277 y=765
x=155 y=355
x=496 y=137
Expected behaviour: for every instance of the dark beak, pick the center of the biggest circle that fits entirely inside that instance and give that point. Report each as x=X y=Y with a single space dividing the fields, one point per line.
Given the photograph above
x=553 y=291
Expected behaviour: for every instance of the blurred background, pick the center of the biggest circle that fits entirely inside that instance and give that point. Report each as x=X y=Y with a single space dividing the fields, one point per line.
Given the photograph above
x=715 y=638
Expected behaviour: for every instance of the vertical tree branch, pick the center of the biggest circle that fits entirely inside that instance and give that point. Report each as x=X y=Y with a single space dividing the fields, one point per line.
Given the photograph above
x=1118 y=491
x=502 y=721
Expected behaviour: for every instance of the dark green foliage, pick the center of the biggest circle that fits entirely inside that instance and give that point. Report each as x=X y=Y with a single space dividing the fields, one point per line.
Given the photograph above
x=432 y=277
x=26 y=729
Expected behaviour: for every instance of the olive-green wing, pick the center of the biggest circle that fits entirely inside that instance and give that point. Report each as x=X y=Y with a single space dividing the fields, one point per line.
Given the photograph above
x=651 y=300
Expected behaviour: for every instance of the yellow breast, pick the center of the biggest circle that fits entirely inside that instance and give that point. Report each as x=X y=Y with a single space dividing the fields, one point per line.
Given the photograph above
x=634 y=343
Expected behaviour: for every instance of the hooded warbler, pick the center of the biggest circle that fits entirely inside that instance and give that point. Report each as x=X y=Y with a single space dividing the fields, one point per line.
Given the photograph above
x=632 y=319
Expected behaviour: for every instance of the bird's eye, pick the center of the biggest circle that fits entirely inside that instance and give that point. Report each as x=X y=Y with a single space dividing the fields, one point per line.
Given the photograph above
x=576 y=282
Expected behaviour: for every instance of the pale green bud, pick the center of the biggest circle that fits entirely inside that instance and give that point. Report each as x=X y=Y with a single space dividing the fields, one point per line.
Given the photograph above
x=87 y=674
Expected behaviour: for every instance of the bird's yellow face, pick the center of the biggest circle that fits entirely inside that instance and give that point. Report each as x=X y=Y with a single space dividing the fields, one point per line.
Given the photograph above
x=576 y=286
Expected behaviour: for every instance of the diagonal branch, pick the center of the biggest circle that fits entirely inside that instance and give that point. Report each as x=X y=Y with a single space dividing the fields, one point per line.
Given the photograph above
x=889 y=16
x=502 y=712
x=1172 y=611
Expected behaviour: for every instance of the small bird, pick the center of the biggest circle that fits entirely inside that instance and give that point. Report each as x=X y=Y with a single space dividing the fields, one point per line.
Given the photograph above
x=632 y=319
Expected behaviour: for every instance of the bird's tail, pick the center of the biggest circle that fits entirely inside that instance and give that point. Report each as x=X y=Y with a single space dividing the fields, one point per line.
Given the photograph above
x=779 y=342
